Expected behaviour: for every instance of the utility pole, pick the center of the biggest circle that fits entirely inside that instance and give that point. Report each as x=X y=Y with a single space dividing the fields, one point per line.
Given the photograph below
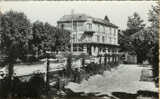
x=77 y=35
x=47 y=74
x=72 y=12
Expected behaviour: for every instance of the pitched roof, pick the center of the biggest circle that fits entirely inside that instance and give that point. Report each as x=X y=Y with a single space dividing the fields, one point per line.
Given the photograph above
x=84 y=17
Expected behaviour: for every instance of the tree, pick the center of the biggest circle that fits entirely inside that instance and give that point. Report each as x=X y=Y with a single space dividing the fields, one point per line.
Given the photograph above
x=130 y=39
x=48 y=38
x=154 y=22
x=62 y=39
x=134 y=24
x=141 y=43
x=37 y=85
x=124 y=41
x=154 y=29
x=36 y=44
x=154 y=15
x=43 y=38
x=15 y=34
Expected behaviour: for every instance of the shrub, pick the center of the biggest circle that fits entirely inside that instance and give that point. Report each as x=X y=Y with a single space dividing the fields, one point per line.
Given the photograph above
x=69 y=66
x=37 y=85
x=9 y=87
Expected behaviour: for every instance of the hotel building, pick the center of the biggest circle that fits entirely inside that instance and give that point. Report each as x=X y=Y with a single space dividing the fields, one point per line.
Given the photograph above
x=93 y=36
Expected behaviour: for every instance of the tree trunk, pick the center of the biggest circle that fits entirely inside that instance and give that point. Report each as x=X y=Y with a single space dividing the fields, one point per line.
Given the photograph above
x=10 y=68
x=105 y=60
x=83 y=62
x=139 y=59
x=47 y=77
x=10 y=75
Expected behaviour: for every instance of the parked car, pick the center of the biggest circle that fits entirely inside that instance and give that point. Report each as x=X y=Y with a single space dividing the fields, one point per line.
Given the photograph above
x=146 y=75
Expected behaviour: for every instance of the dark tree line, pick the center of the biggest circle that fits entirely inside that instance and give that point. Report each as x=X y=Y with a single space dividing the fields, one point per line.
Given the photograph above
x=25 y=41
x=33 y=88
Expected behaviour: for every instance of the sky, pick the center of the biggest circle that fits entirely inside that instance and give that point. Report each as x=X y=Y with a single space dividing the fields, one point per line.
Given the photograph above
x=52 y=11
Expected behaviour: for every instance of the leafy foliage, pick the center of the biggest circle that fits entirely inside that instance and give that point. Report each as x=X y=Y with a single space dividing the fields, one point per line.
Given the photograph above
x=154 y=15
x=134 y=24
x=15 y=34
x=48 y=38
x=138 y=38
x=154 y=29
x=27 y=42
x=35 y=87
x=62 y=39
x=43 y=38
x=128 y=38
x=143 y=40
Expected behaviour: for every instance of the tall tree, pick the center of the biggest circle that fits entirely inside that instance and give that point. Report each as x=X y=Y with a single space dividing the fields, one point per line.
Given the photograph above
x=154 y=21
x=134 y=24
x=154 y=14
x=35 y=44
x=124 y=41
x=129 y=40
x=15 y=34
x=141 y=43
x=48 y=38
x=50 y=32
x=62 y=39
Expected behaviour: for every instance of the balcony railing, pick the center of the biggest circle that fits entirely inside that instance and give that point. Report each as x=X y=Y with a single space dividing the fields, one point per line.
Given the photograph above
x=89 y=31
x=84 y=41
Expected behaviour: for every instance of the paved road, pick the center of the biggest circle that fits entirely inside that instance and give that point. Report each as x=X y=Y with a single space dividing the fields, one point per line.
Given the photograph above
x=125 y=78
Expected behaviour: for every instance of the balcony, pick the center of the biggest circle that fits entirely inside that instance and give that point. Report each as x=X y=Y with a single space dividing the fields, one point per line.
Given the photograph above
x=89 y=32
x=83 y=41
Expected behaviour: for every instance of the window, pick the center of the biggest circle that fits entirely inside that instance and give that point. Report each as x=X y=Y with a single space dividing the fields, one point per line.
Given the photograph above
x=110 y=30
x=98 y=28
x=103 y=29
x=80 y=48
x=74 y=38
x=110 y=40
x=62 y=26
x=114 y=32
x=98 y=38
x=103 y=39
x=106 y=36
x=75 y=26
x=89 y=26
x=107 y=30
x=67 y=24
x=75 y=48
x=80 y=26
x=115 y=41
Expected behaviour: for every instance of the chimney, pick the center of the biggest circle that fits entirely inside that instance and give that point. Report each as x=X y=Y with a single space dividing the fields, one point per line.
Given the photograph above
x=106 y=18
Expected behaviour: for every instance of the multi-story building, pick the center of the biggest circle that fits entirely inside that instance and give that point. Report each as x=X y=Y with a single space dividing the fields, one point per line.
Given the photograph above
x=90 y=35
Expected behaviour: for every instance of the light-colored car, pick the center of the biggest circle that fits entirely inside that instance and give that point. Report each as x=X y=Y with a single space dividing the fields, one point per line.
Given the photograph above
x=146 y=75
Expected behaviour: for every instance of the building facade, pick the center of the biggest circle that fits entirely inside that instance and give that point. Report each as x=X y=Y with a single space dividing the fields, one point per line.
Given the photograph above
x=93 y=36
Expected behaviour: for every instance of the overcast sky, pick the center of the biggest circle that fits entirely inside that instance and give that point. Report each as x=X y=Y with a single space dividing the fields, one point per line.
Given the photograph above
x=51 y=11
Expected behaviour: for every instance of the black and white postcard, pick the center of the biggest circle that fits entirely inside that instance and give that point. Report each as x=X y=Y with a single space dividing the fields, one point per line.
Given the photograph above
x=79 y=49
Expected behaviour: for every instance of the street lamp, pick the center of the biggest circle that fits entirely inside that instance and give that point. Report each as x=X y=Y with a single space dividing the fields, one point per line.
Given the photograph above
x=72 y=12
x=47 y=72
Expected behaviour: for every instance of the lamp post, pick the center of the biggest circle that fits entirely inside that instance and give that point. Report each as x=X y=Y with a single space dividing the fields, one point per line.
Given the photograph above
x=47 y=73
x=72 y=12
